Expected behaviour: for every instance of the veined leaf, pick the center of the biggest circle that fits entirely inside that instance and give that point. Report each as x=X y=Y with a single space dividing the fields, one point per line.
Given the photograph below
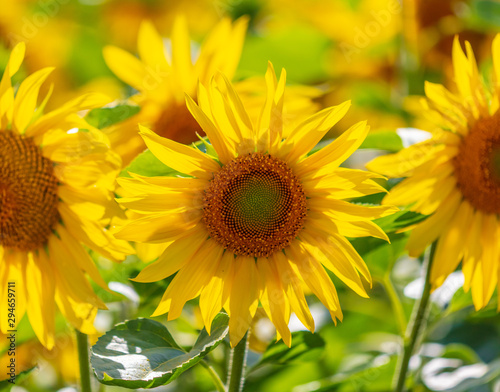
x=143 y=354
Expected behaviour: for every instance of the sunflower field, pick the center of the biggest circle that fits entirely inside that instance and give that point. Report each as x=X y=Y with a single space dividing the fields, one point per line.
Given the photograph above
x=250 y=195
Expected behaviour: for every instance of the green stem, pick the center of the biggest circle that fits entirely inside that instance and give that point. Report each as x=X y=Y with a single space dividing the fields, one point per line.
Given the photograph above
x=418 y=320
x=214 y=376
x=237 y=365
x=83 y=359
x=397 y=307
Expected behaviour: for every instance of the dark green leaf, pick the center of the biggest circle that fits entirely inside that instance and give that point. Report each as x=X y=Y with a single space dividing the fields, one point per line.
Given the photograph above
x=104 y=117
x=306 y=346
x=142 y=354
x=399 y=220
x=383 y=140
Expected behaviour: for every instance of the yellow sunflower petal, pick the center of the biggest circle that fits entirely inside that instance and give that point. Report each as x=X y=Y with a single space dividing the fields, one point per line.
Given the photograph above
x=212 y=59
x=80 y=256
x=214 y=295
x=345 y=211
x=332 y=155
x=177 y=254
x=450 y=247
x=180 y=157
x=150 y=252
x=316 y=278
x=161 y=227
x=292 y=285
x=243 y=124
x=491 y=255
x=151 y=48
x=181 y=55
x=325 y=252
x=53 y=118
x=13 y=272
x=41 y=302
x=361 y=229
x=307 y=134
x=70 y=275
x=80 y=314
x=273 y=299
x=190 y=280
x=159 y=203
x=140 y=185
x=473 y=250
x=126 y=66
x=15 y=60
x=93 y=235
x=265 y=115
x=26 y=98
x=404 y=162
x=216 y=137
x=244 y=298
x=430 y=229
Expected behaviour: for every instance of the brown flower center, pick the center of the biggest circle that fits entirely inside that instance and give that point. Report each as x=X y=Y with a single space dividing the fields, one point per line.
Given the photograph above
x=254 y=206
x=28 y=194
x=477 y=165
x=177 y=123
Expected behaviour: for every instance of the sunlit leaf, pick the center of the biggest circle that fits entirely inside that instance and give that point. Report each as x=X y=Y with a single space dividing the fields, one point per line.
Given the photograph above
x=143 y=354
x=104 y=117
x=383 y=140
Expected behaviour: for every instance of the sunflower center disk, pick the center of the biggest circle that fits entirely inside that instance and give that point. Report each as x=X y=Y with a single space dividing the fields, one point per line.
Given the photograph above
x=177 y=123
x=477 y=166
x=28 y=194
x=254 y=206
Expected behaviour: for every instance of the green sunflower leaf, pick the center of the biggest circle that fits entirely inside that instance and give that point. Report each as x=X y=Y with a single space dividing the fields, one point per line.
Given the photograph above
x=143 y=354
x=383 y=140
x=400 y=220
x=146 y=164
x=485 y=13
x=306 y=346
x=105 y=117
x=7 y=384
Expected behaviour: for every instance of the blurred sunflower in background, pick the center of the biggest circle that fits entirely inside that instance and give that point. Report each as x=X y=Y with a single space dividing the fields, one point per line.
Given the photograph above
x=256 y=218
x=57 y=178
x=455 y=177
x=161 y=80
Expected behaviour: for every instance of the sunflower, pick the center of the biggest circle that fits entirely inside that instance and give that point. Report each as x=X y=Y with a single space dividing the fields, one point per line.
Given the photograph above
x=161 y=81
x=455 y=177
x=56 y=181
x=260 y=219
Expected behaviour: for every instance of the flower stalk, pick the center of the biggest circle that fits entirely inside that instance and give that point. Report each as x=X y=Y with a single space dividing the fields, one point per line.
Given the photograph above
x=83 y=359
x=416 y=325
x=237 y=363
x=219 y=385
